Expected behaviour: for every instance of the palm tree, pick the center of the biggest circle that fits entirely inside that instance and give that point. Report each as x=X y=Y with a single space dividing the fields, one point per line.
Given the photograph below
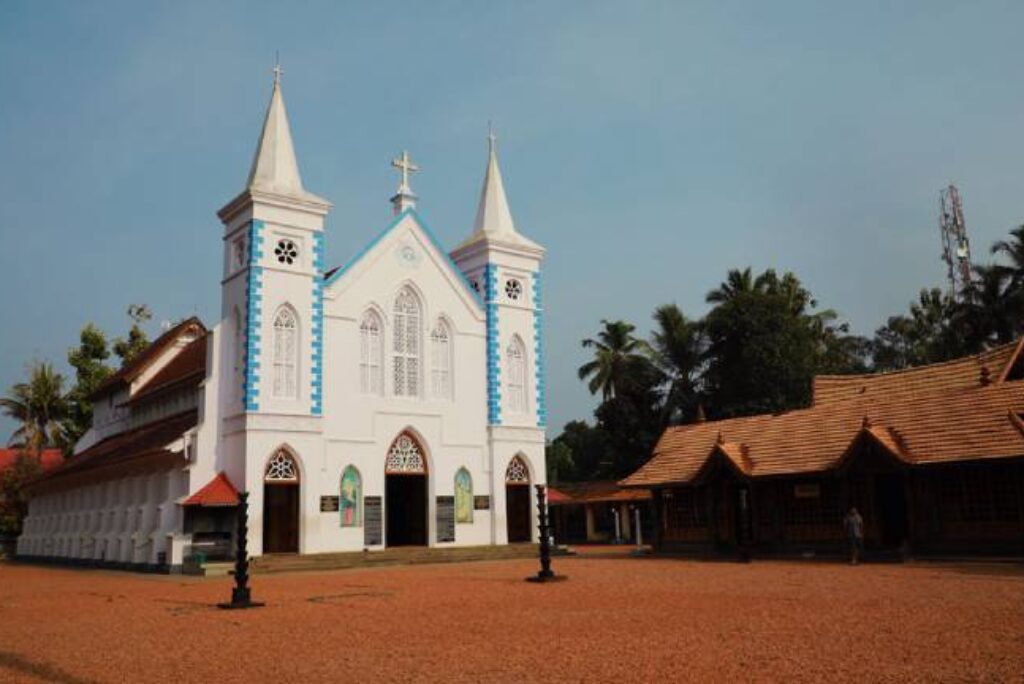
x=677 y=346
x=619 y=358
x=1013 y=250
x=41 y=408
x=736 y=283
x=991 y=306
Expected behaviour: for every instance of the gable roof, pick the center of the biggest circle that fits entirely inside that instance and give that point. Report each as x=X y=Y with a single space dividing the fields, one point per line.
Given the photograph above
x=188 y=365
x=934 y=416
x=600 y=491
x=130 y=372
x=334 y=274
x=217 y=492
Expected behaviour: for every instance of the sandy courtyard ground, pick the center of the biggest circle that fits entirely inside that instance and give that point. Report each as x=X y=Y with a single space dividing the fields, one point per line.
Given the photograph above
x=614 y=620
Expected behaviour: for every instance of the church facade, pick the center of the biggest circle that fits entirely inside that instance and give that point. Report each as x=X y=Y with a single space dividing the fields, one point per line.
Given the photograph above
x=395 y=400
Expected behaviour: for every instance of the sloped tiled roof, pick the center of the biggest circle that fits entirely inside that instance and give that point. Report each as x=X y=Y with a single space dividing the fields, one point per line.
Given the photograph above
x=152 y=439
x=959 y=373
x=217 y=492
x=934 y=414
x=189 y=364
x=603 y=491
x=129 y=372
x=48 y=459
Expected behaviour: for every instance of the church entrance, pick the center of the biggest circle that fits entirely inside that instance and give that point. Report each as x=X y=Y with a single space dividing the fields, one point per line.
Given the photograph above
x=405 y=494
x=281 y=505
x=517 y=501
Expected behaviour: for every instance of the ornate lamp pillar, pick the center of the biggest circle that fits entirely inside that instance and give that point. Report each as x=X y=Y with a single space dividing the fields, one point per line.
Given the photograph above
x=546 y=574
x=241 y=595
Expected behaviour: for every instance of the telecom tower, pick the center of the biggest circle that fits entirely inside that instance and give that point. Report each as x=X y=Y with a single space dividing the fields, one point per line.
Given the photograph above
x=956 y=248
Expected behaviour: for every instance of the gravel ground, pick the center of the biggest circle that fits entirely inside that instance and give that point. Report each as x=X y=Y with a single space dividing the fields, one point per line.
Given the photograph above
x=615 y=619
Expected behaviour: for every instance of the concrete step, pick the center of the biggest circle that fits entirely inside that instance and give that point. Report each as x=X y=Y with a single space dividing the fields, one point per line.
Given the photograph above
x=396 y=556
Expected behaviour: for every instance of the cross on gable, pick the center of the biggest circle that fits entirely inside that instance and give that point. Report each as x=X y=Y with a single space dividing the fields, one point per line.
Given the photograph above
x=406 y=166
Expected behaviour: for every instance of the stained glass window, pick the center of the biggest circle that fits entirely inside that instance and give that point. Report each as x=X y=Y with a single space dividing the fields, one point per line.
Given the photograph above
x=350 y=501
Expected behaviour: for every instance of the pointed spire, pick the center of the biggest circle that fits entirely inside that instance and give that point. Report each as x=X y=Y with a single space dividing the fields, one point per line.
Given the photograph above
x=274 y=168
x=493 y=216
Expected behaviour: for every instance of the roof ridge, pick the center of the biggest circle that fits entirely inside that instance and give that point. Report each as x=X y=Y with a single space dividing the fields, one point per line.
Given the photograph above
x=962 y=360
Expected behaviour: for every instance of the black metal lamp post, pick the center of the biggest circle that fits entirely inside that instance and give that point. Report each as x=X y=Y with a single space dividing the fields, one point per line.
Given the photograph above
x=546 y=574
x=241 y=596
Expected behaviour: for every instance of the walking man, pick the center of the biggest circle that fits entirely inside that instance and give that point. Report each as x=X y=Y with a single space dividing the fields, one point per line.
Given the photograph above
x=855 y=534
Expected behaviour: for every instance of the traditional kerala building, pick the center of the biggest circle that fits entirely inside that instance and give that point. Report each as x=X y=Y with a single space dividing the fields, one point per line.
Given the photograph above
x=932 y=457
x=397 y=399
x=598 y=512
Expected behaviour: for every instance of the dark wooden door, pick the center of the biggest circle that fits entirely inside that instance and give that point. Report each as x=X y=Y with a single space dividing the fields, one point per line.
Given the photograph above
x=891 y=508
x=280 y=518
x=406 y=510
x=517 y=512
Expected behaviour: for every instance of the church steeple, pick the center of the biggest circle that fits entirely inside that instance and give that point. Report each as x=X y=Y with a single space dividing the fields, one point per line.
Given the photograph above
x=493 y=216
x=274 y=168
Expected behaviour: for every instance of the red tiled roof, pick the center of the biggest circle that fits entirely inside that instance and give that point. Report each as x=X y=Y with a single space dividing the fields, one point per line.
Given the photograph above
x=189 y=364
x=217 y=492
x=48 y=459
x=934 y=414
x=133 y=370
x=603 y=491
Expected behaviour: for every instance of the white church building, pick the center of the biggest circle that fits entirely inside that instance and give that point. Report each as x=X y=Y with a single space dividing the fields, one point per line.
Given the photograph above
x=395 y=400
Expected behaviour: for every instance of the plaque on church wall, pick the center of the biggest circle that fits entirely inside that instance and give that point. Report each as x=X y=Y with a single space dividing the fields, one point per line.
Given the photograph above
x=445 y=519
x=329 y=504
x=373 y=534
x=482 y=503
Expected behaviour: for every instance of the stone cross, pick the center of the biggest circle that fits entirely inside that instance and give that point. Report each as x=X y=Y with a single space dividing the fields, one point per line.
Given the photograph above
x=406 y=166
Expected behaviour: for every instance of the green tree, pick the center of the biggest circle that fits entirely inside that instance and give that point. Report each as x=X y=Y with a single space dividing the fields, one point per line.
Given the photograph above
x=41 y=409
x=128 y=348
x=677 y=346
x=761 y=345
x=559 y=460
x=90 y=371
x=13 y=501
x=620 y=359
x=931 y=333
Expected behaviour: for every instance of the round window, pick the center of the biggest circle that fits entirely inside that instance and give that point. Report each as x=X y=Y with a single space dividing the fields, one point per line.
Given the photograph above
x=513 y=289
x=286 y=251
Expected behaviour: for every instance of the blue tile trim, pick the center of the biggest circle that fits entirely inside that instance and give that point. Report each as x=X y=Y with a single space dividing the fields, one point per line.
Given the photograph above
x=430 y=236
x=538 y=351
x=317 y=334
x=253 y=297
x=493 y=345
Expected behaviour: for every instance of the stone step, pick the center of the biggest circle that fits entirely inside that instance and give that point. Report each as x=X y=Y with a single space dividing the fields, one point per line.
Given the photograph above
x=397 y=556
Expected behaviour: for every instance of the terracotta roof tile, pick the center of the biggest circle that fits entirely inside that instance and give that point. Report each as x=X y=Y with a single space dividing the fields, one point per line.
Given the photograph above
x=601 y=491
x=217 y=492
x=189 y=364
x=933 y=415
x=131 y=371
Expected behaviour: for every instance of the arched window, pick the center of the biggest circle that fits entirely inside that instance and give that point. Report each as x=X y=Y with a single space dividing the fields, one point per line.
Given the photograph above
x=515 y=367
x=463 y=496
x=406 y=344
x=517 y=472
x=441 y=360
x=350 y=501
x=281 y=468
x=286 y=348
x=405 y=456
x=371 y=367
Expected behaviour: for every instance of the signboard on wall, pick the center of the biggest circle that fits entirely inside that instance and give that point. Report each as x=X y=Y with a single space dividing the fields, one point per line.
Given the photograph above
x=445 y=518
x=481 y=503
x=810 y=490
x=373 y=529
x=329 y=504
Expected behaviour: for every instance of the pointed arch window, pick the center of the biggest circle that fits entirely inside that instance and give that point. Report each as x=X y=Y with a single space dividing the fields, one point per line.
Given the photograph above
x=286 y=353
x=441 y=360
x=351 y=498
x=371 y=367
x=515 y=367
x=239 y=354
x=406 y=344
x=281 y=468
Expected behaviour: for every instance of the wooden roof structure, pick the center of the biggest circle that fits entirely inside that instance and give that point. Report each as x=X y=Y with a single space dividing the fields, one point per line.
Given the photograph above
x=962 y=410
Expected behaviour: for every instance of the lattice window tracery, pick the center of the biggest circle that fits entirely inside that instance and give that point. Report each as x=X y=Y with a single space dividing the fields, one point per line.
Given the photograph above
x=371 y=368
x=282 y=468
x=406 y=344
x=515 y=361
x=441 y=354
x=405 y=457
x=285 y=353
x=517 y=472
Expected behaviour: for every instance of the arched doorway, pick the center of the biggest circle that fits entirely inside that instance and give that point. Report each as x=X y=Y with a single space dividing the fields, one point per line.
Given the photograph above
x=281 y=504
x=517 y=501
x=405 y=493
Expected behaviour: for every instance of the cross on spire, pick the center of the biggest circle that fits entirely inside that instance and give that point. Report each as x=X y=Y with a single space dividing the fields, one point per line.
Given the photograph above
x=404 y=198
x=277 y=69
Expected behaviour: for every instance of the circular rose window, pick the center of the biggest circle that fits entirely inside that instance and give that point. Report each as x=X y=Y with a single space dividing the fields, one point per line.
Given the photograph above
x=513 y=289
x=286 y=251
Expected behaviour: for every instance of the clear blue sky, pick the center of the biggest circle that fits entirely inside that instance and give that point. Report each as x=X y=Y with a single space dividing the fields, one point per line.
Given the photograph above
x=649 y=146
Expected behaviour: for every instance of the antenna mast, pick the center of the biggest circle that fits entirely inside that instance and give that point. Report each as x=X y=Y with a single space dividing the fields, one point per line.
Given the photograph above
x=956 y=248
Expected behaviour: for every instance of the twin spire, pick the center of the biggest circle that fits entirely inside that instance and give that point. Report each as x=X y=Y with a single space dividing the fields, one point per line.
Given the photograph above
x=275 y=170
